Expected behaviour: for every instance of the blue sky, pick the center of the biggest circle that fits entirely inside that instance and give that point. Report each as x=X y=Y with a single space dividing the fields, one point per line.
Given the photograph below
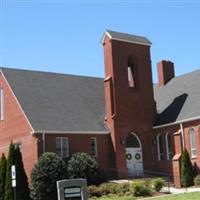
x=64 y=36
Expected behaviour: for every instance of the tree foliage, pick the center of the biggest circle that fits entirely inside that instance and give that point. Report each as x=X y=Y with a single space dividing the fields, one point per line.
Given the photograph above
x=2 y=176
x=10 y=162
x=82 y=165
x=22 y=188
x=49 y=169
x=187 y=175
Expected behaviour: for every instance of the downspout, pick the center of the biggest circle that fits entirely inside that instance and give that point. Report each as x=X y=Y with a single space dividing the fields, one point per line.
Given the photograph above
x=182 y=135
x=43 y=142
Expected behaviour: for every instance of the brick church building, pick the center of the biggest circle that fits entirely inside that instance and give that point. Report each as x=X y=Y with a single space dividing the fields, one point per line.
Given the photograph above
x=130 y=125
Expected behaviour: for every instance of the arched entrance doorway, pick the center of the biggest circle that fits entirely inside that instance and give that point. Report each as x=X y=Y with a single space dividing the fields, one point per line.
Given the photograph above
x=134 y=155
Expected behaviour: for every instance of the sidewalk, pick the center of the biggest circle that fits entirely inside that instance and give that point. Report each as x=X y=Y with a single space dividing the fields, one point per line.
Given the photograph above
x=173 y=190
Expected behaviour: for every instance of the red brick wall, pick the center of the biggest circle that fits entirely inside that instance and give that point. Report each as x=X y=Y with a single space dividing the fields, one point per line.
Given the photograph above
x=134 y=108
x=81 y=143
x=165 y=165
x=16 y=128
x=195 y=125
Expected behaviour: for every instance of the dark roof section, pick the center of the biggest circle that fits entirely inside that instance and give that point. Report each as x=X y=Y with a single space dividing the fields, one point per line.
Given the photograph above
x=179 y=99
x=58 y=102
x=128 y=37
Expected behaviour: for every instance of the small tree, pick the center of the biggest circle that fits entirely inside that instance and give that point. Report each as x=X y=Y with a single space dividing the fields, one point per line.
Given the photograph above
x=23 y=192
x=10 y=162
x=82 y=165
x=2 y=176
x=45 y=174
x=186 y=170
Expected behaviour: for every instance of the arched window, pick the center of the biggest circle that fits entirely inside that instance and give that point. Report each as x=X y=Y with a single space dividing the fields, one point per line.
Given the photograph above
x=132 y=72
x=160 y=148
x=169 y=146
x=132 y=141
x=192 y=142
x=131 y=80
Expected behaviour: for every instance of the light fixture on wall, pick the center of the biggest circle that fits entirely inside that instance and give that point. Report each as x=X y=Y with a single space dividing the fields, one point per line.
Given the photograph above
x=154 y=141
x=122 y=142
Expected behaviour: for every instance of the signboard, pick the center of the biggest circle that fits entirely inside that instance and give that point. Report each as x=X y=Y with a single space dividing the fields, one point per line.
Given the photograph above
x=72 y=189
x=72 y=192
x=13 y=172
x=13 y=176
x=13 y=183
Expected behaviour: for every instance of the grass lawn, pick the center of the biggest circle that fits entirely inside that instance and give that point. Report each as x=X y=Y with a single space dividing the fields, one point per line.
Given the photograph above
x=186 y=196
x=115 y=198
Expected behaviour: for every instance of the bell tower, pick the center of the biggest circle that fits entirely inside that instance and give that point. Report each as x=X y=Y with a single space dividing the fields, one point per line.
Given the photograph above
x=130 y=105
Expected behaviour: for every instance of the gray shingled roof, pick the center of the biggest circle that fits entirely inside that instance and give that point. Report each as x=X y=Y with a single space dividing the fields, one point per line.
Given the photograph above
x=59 y=102
x=179 y=99
x=128 y=37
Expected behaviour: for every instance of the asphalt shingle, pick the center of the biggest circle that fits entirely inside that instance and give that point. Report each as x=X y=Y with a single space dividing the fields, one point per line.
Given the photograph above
x=58 y=102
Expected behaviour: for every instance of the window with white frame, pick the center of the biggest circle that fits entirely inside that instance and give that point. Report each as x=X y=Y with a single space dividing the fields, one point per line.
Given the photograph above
x=160 y=148
x=93 y=146
x=192 y=143
x=169 y=146
x=62 y=147
x=1 y=104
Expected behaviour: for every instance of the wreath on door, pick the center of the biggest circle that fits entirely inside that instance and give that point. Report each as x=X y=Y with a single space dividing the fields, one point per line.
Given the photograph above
x=137 y=156
x=128 y=156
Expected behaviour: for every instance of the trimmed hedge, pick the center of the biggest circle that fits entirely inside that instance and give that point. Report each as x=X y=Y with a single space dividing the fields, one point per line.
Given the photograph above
x=49 y=169
x=82 y=165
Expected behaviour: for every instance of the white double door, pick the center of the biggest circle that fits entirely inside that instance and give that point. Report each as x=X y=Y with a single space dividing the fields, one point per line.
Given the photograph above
x=134 y=161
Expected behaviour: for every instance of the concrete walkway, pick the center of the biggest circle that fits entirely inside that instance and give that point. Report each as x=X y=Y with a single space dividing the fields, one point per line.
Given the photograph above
x=170 y=189
x=173 y=190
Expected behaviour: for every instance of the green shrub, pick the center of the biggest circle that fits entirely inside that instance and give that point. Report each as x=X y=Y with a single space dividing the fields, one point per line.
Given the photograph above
x=187 y=175
x=2 y=176
x=158 y=184
x=82 y=165
x=49 y=169
x=197 y=180
x=109 y=188
x=140 y=189
x=124 y=188
x=10 y=162
x=94 y=191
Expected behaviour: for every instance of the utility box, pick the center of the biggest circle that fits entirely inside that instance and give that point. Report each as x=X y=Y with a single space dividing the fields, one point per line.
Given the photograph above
x=72 y=189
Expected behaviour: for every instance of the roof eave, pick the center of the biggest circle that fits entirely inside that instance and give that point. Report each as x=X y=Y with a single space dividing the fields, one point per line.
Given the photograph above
x=177 y=122
x=70 y=132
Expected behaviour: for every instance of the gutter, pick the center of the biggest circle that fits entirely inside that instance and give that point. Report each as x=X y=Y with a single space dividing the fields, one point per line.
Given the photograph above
x=182 y=135
x=43 y=143
x=70 y=132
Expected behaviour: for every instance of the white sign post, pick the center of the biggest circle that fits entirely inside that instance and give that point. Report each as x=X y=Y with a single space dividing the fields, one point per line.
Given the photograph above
x=13 y=178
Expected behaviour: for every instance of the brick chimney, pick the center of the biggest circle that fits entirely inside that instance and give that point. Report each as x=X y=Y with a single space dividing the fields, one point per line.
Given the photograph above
x=165 y=72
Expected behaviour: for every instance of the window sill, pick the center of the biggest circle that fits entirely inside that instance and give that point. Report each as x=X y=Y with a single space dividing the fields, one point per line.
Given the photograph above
x=193 y=157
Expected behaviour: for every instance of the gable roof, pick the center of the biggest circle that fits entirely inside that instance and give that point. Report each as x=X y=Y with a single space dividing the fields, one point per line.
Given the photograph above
x=58 y=102
x=179 y=99
x=126 y=37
